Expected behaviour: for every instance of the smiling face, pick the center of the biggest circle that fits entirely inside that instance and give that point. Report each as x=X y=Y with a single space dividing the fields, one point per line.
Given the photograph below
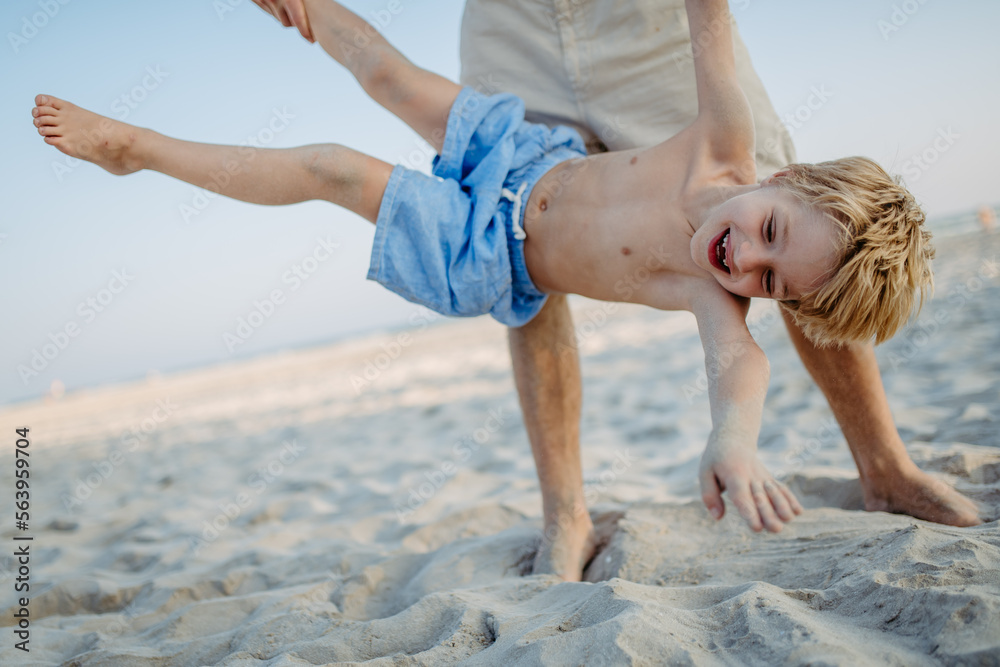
x=767 y=243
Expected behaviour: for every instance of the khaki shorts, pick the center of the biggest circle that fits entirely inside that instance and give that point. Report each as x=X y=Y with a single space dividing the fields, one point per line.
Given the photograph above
x=621 y=73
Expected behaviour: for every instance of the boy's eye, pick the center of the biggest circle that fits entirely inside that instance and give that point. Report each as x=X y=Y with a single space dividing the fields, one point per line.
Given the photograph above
x=768 y=280
x=770 y=229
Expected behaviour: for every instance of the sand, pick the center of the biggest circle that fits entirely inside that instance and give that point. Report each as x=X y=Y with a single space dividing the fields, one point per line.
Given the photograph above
x=307 y=508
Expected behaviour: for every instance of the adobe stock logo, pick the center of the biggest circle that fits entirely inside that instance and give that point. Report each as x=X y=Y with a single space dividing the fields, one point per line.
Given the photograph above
x=122 y=107
x=88 y=310
x=265 y=308
x=900 y=16
x=30 y=26
x=918 y=163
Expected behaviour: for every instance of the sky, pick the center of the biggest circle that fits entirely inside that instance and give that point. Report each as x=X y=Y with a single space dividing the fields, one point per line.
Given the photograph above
x=109 y=278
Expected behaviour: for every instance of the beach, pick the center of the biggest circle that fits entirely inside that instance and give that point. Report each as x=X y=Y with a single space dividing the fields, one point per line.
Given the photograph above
x=375 y=501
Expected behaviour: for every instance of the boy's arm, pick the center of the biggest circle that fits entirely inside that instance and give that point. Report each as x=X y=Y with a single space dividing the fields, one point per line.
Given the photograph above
x=722 y=106
x=738 y=374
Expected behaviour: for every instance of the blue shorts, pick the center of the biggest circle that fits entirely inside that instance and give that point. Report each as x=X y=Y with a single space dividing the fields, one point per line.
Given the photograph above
x=451 y=241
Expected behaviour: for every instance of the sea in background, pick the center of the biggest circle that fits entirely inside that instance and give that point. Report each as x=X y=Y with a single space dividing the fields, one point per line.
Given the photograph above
x=375 y=501
x=351 y=487
x=964 y=222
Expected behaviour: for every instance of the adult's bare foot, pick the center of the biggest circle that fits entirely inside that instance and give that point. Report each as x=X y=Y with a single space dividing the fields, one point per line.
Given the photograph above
x=568 y=543
x=912 y=491
x=83 y=134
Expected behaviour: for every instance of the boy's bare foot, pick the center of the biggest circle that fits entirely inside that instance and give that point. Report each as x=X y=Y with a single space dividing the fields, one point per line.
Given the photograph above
x=912 y=491
x=568 y=543
x=83 y=134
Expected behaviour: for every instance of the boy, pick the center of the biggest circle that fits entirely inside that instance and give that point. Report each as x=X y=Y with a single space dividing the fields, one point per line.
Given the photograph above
x=516 y=211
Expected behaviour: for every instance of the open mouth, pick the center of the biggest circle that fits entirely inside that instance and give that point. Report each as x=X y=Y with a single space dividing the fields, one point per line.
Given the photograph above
x=718 y=252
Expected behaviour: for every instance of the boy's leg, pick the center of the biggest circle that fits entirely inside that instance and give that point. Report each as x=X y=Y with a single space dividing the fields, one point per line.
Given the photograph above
x=421 y=99
x=257 y=175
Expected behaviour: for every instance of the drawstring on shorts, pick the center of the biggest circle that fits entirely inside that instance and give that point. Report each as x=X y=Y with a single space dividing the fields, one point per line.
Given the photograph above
x=516 y=213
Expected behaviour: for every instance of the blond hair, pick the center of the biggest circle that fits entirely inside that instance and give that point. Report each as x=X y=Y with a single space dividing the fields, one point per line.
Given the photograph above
x=885 y=252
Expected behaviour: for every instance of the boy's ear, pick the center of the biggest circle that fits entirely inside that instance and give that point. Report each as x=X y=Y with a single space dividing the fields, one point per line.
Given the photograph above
x=775 y=176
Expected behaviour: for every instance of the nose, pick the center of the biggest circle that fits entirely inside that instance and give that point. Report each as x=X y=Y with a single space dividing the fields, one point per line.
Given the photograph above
x=747 y=257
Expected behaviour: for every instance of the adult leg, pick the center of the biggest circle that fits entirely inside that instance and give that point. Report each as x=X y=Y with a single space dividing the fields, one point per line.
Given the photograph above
x=850 y=379
x=261 y=176
x=505 y=49
x=547 y=375
x=420 y=98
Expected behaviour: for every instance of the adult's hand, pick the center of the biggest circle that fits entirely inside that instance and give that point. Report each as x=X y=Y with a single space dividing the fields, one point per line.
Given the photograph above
x=289 y=13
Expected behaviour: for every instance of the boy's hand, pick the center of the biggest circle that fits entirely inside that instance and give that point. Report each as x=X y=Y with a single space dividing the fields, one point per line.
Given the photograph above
x=761 y=500
x=290 y=13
